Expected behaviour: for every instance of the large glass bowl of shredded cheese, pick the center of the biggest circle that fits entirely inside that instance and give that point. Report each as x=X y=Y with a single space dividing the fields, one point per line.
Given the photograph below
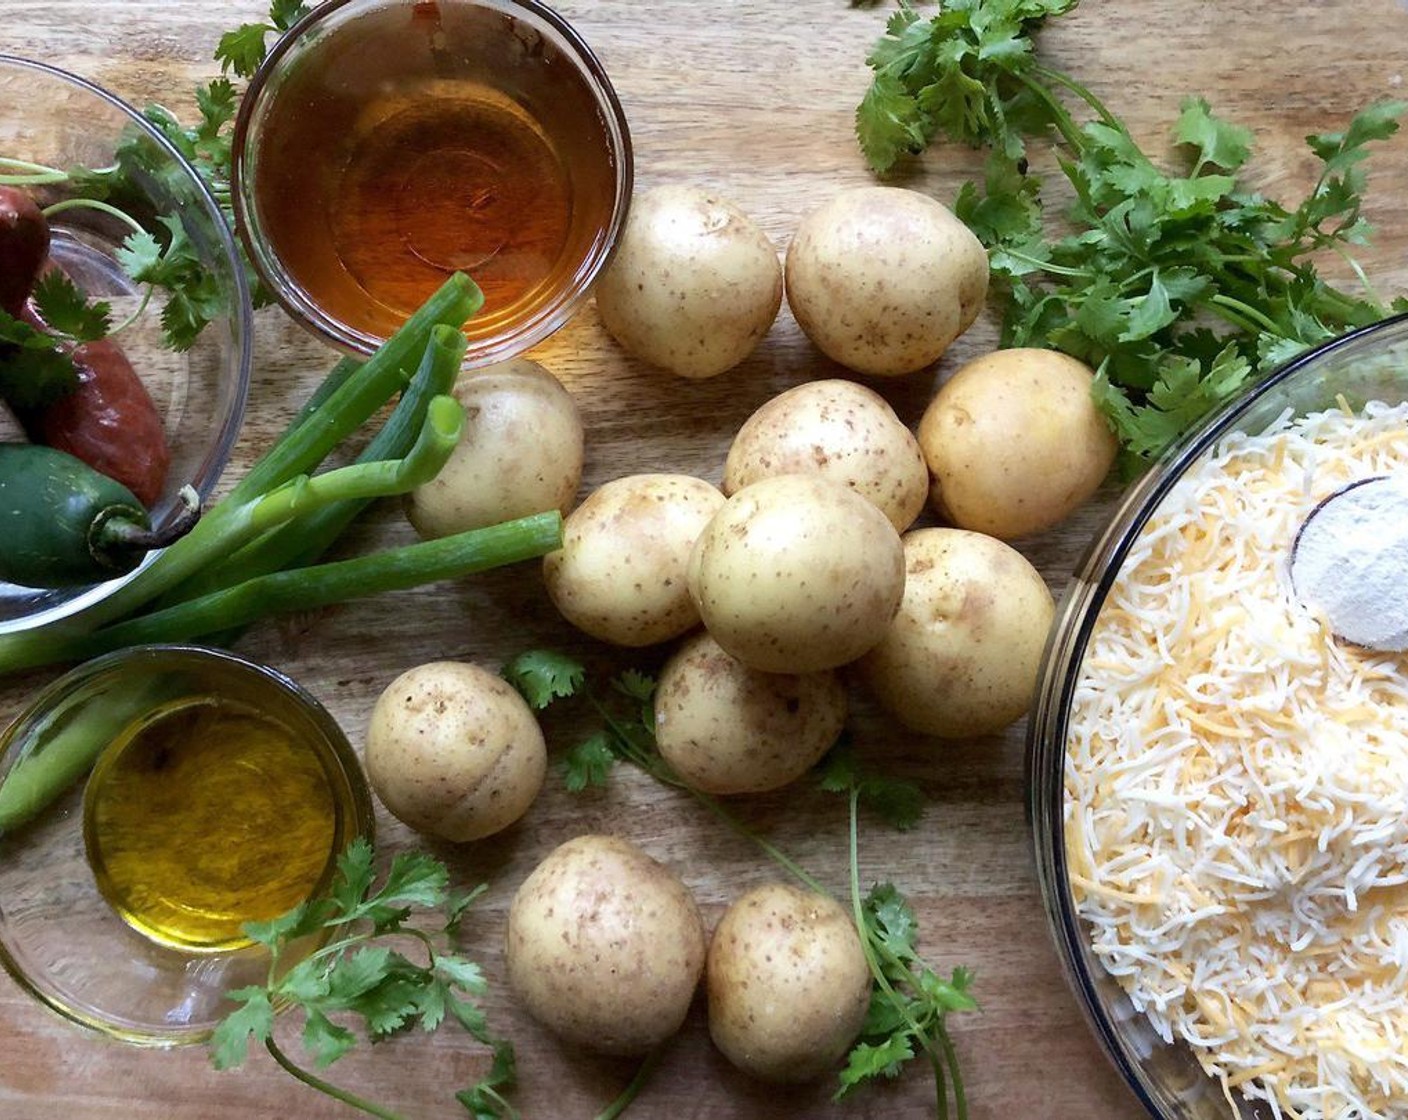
x=1219 y=786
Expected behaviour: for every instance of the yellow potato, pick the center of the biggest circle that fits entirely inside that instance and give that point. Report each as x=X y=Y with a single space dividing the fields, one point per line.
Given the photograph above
x=962 y=655
x=605 y=946
x=796 y=574
x=726 y=728
x=788 y=983
x=883 y=279
x=620 y=573
x=841 y=431
x=520 y=452
x=454 y=751
x=1014 y=442
x=694 y=285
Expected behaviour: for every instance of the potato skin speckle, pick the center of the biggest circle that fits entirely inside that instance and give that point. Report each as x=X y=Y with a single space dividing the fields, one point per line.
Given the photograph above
x=454 y=751
x=620 y=573
x=796 y=574
x=605 y=946
x=962 y=655
x=727 y=729
x=787 y=982
x=842 y=431
x=1014 y=442
x=695 y=284
x=883 y=279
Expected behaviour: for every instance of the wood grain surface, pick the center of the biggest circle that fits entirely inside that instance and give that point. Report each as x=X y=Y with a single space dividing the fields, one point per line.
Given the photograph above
x=753 y=98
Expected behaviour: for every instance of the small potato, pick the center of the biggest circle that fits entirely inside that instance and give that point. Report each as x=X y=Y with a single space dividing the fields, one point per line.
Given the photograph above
x=883 y=279
x=842 y=431
x=796 y=574
x=454 y=751
x=726 y=728
x=788 y=983
x=961 y=658
x=520 y=452
x=694 y=284
x=1014 y=442
x=620 y=573
x=605 y=946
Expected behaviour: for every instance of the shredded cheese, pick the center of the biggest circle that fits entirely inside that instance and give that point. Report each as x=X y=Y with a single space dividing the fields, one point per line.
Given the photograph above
x=1236 y=810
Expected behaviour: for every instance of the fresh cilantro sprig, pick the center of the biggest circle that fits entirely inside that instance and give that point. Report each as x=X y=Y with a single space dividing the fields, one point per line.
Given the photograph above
x=362 y=976
x=33 y=371
x=36 y=368
x=1180 y=287
x=910 y=1001
x=244 y=48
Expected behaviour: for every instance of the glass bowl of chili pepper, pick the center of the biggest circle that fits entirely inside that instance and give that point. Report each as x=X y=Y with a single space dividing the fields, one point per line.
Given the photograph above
x=125 y=340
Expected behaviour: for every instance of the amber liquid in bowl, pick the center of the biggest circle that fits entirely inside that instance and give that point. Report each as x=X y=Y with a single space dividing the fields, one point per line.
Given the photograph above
x=414 y=141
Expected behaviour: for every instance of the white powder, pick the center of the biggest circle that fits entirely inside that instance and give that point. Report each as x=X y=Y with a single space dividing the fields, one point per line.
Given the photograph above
x=1350 y=562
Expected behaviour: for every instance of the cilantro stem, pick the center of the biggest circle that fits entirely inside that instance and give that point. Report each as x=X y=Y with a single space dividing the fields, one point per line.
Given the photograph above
x=872 y=952
x=643 y=1074
x=1243 y=314
x=314 y=1082
x=126 y=219
x=658 y=769
x=1061 y=118
x=30 y=174
x=1047 y=266
x=1065 y=81
x=94 y=204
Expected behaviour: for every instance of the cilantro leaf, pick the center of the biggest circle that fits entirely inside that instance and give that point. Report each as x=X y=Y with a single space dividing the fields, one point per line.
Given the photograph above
x=589 y=763
x=542 y=676
x=484 y=1100
x=34 y=372
x=283 y=14
x=899 y=803
x=67 y=311
x=1219 y=142
x=325 y=1040
x=229 y=1045
x=242 y=50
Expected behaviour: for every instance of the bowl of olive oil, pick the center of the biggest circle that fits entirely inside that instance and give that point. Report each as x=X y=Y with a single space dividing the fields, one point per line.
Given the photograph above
x=384 y=144
x=153 y=802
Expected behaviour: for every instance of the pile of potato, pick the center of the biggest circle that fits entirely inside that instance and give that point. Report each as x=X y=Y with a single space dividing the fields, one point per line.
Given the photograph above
x=802 y=574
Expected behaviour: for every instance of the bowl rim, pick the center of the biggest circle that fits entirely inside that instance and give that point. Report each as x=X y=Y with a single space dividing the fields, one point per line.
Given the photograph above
x=546 y=320
x=241 y=326
x=362 y=822
x=1047 y=729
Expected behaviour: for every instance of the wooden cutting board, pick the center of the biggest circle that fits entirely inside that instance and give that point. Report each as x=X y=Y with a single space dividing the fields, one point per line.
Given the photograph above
x=753 y=98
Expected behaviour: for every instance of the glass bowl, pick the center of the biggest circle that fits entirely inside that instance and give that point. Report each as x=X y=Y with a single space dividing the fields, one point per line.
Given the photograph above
x=1367 y=365
x=480 y=136
x=88 y=924
x=56 y=120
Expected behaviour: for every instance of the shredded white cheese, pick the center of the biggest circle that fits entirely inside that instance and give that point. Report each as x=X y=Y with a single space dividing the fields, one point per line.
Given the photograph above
x=1237 y=786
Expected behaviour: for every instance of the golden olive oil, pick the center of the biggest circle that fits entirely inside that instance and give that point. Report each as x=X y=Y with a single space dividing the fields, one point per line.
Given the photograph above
x=207 y=814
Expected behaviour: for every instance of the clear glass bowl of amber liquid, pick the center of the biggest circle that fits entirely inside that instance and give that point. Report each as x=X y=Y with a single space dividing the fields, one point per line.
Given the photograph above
x=152 y=802
x=384 y=144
